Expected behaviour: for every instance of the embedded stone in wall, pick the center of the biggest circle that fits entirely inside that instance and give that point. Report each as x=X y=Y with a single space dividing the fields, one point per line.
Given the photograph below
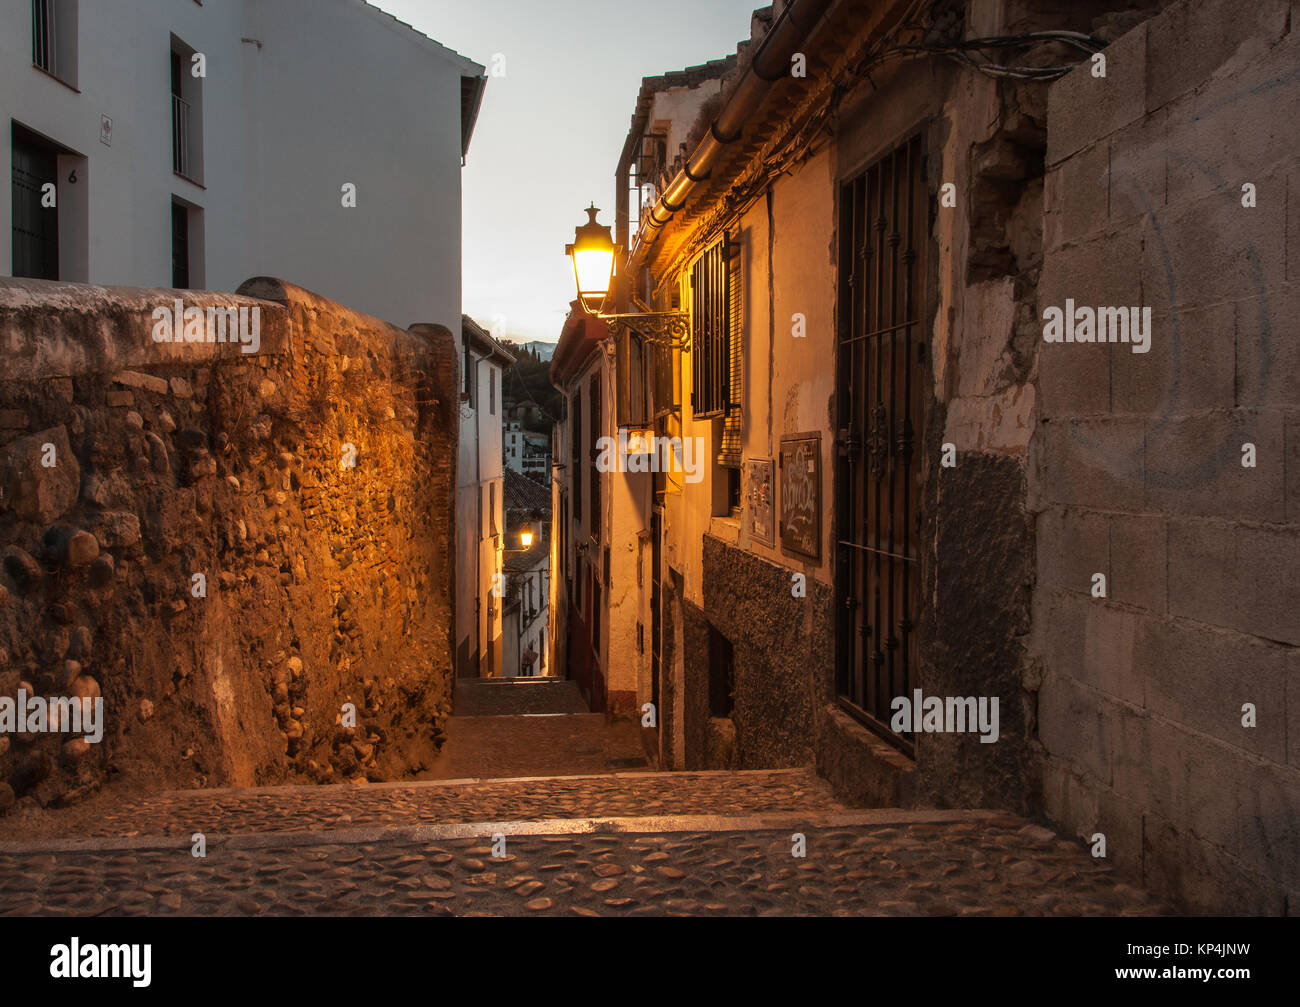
x=118 y=529
x=42 y=478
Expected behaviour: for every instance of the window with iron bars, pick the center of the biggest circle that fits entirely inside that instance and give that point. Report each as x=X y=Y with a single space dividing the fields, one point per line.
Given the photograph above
x=881 y=375
x=54 y=38
x=711 y=332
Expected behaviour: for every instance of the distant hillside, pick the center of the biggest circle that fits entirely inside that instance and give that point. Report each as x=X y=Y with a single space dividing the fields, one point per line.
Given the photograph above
x=543 y=350
x=529 y=378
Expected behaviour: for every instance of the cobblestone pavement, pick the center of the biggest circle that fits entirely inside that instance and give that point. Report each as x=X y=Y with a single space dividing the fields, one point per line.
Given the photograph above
x=714 y=844
x=294 y=809
x=996 y=865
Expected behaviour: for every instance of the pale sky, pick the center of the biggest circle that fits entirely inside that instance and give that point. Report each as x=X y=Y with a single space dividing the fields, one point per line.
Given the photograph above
x=550 y=131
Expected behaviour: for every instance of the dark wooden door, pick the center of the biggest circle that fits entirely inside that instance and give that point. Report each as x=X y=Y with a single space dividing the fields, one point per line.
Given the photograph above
x=656 y=598
x=35 y=227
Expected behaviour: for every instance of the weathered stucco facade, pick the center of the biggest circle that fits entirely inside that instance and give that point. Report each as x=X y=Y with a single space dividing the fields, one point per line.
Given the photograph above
x=1037 y=464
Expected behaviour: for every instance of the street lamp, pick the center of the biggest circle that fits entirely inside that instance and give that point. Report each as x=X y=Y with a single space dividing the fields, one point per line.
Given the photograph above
x=526 y=536
x=593 y=253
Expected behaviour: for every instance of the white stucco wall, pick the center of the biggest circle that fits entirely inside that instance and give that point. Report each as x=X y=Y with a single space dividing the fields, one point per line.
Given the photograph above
x=521 y=632
x=337 y=92
x=480 y=484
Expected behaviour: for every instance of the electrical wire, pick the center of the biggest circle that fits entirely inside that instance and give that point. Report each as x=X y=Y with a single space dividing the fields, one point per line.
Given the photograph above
x=796 y=146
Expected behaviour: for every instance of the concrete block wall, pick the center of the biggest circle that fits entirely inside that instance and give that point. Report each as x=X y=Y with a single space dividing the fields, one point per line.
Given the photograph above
x=1136 y=462
x=325 y=583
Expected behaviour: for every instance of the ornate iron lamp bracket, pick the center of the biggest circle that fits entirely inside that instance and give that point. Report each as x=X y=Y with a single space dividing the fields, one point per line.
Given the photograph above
x=663 y=328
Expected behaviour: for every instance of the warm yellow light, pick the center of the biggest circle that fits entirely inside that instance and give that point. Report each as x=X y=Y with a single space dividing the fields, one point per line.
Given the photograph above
x=526 y=537
x=593 y=268
x=593 y=255
x=640 y=441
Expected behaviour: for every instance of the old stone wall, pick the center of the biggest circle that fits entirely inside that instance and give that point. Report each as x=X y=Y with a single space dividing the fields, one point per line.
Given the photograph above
x=310 y=486
x=983 y=140
x=1141 y=471
x=780 y=652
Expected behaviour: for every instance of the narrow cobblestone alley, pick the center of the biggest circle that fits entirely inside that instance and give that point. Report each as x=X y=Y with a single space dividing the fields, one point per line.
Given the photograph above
x=557 y=841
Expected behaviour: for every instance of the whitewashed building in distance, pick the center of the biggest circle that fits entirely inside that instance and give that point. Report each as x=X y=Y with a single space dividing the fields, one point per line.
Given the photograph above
x=196 y=144
x=480 y=505
x=527 y=565
x=527 y=452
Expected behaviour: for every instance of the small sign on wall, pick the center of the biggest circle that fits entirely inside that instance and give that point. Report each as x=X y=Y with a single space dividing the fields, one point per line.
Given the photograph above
x=760 y=495
x=801 y=495
x=106 y=131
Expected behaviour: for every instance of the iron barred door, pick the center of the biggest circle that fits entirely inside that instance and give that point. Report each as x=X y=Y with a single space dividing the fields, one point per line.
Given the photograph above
x=882 y=227
x=35 y=227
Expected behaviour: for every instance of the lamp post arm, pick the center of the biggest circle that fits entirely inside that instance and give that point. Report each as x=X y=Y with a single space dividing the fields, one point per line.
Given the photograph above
x=664 y=328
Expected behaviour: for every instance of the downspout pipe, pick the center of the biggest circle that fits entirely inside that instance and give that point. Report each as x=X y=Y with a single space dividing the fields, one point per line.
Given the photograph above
x=771 y=62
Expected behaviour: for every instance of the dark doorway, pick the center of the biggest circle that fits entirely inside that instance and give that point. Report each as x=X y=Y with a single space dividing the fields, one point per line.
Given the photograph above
x=722 y=674
x=35 y=227
x=882 y=227
x=180 y=246
x=656 y=599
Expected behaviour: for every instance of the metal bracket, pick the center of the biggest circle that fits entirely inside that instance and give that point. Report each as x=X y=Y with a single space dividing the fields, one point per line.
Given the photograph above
x=662 y=328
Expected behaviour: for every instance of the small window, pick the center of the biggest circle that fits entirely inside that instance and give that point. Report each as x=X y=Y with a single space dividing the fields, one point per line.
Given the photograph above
x=711 y=332
x=467 y=378
x=492 y=390
x=54 y=38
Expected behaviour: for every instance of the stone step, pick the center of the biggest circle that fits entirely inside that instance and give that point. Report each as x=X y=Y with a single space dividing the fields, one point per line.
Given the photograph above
x=301 y=809
x=495 y=697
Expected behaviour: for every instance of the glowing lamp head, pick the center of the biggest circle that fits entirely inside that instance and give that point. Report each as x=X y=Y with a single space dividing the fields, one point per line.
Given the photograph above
x=592 y=253
x=526 y=536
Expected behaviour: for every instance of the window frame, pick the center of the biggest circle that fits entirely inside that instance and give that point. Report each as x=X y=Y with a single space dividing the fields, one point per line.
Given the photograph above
x=594 y=474
x=54 y=43
x=711 y=334
x=186 y=125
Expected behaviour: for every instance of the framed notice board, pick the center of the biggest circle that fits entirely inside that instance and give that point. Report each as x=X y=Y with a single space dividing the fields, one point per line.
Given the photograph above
x=760 y=500
x=801 y=495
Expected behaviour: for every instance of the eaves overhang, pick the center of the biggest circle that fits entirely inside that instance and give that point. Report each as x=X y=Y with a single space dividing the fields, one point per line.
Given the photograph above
x=579 y=339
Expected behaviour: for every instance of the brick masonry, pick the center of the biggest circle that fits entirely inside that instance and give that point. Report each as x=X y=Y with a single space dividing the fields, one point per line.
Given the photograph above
x=1136 y=468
